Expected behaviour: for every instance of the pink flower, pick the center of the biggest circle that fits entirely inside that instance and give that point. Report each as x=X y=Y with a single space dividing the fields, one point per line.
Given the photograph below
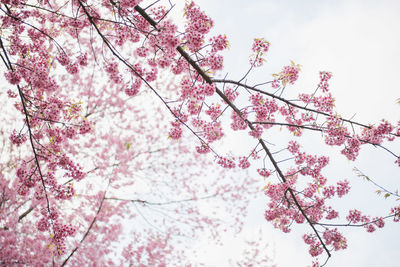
x=257 y=132
x=203 y=148
x=228 y=163
x=264 y=172
x=293 y=147
x=63 y=59
x=17 y=139
x=175 y=133
x=325 y=77
x=354 y=216
x=13 y=77
x=214 y=111
x=332 y=214
x=315 y=250
x=244 y=163
x=260 y=45
x=289 y=74
x=379 y=222
x=396 y=213
x=342 y=188
x=239 y=122
x=219 y=43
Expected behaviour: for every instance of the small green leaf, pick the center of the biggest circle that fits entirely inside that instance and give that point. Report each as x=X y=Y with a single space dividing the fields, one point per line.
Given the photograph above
x=128 y=145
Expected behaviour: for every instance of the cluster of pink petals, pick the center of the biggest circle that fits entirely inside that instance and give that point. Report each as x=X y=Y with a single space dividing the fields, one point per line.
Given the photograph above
x=17 y=138
x=259 y=47
x=325 y=77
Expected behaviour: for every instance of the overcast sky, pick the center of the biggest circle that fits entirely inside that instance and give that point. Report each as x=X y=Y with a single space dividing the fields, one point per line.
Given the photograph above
x=359 y=42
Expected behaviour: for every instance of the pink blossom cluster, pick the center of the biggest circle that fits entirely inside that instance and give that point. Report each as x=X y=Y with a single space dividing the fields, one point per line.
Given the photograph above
x=257 y=132
x=325 y=77
x=342 y=188
x=176 y=130
x=83 y=60
x=214 y=62
x=11 y=94
x=71 y=67
x=17 y=138
x=336 y=132
x=168 y=40
x=134 y=88
x=238 y=122
x=50 y=222
x=259 y=47
x=243 y=163
x=324 y=103
x=13 y=77
x=203 y=148
x=113 y=72
x=122 y=34
x=231 y=94
x=293 y=122
x=219 y=43
x=356 y=217
x=331 y=237
x=282 y=209
x=307 y=164
x=73 y=170
x=334 y=238
x=265 y=109
x=227 y=163
x=377 y=134
x=54 y=122
x=193 y=107
x=198 y=25
x=196 y=91
x=158 y=12
x=396 y=213
x=28 y=177
x=288 y=75
x=178 y=66
x=264 y=172
x=212 y=131
x=126 y=4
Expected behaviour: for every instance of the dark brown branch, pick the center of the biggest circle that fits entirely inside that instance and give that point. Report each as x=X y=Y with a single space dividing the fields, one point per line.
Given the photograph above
x=32 y=26
x=23 y=215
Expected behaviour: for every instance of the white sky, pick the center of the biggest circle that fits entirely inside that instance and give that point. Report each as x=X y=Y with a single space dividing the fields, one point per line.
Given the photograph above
x=359 y=42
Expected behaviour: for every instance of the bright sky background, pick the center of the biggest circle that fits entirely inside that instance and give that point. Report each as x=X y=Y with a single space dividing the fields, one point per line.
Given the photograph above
x=359 y=42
